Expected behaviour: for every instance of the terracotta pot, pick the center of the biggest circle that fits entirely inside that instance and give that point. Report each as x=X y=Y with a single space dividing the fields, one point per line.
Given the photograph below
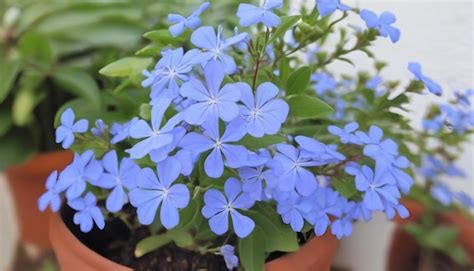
x=403 y=248
x=27 y=184
x=317 y=254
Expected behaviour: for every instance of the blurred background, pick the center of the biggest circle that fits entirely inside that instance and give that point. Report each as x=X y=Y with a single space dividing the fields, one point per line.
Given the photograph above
x=438 y=34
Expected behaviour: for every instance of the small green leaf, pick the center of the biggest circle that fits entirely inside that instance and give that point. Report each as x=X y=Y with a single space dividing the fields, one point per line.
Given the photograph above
x=284 y=71
x=252 y=250
x=78 y=83
x=304 y=106
x=27 y=98
x=125 y=67
x=346 y=187
x=182 y=238
x=298 y=80
x=151 y=243
x=286 y=23
x=162 y=36
x=36 y=48
x=5 y=120
x=255 y=143
x=9 y=69
x=145 y=111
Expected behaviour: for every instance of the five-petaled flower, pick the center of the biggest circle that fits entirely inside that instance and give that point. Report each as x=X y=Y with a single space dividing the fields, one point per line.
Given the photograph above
x=250 y=14
x=263 y=113
x=215 y=46
x=432 y=86
x=347 y=134
x=218 y=207
x=212 y=101
x=382 y=23
x=117 y=177
x=327 y=7
x=87 y=213
x=65 y=132
x=231 y=260
x=51 y=196
x=152 y=192
x=181 y=22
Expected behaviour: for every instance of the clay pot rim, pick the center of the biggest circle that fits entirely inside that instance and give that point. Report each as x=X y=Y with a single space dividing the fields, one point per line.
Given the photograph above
x=59 y=234
x=32 y=167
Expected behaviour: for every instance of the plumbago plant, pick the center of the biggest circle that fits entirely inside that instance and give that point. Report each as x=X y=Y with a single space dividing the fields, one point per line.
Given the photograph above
x=240 y=142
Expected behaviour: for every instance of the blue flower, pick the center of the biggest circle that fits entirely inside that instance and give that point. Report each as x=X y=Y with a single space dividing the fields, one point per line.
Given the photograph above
x=253 y=175
x=347 y=134
x=404 y=181
x=357 y=210
x=74 y=177
x=235 y=155
x=65 y=132
x=327 y=7
x=341 y=227
x=324 y=83
x=382 y=151
x=263 y=113
x=218 y=207
x=458 y=119
x=120 y=132
x=391 y=209
x=464 y=199
x=382 y=23
x=434 y=125
x=442 y=194
x=320 y=153
x=231 y=261
x=293 y=210
x=250 y=14
x=433 y=167
x=214 y=46
x=169 y=72
x=152 y=192
x=294 y=174
x=376 y=187
x=87 y=213
x=153 y=136
x=99 y=129
x=464 y=98
x=212 y=102
x=52 y=196
x=181 y=22
x=326 y=202
x=117 y=177
x=374 y=84
x=432 y=86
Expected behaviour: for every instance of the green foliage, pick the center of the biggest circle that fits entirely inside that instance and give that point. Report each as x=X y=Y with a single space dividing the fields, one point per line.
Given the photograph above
x=305 y=106
x=126 y=67
x=252 y=250
x=298 y=80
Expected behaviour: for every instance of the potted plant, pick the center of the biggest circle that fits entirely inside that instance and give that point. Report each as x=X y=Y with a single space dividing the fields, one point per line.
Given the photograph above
x=49 y=56
x=228 y=152
x=439 y=235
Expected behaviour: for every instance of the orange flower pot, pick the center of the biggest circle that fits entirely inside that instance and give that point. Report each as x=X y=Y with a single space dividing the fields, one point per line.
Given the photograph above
x=27 y=184
x=403 y=247
x=317 y=254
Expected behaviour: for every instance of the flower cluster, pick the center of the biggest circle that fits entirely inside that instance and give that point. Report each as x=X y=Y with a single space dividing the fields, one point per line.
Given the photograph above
x=218 y=132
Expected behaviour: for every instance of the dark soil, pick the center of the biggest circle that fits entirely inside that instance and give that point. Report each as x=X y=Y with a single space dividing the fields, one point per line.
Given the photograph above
x=117 y=243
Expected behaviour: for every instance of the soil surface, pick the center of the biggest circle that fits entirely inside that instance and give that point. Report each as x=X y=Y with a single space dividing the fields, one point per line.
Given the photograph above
x=117 y=243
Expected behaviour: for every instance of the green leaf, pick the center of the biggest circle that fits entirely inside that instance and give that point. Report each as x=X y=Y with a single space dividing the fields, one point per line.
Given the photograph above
x=252 y=250
x=78 y=83
x=278 y=236
x=346 y=187
x=5 y=120
x=298 y=80
x=37 y=49
x=284 y=70
x=255 y=143
x=162 y=36
x=27 y=98
x=81 y=108
x=125 y=67
x=286 y=23
x=9 y=69
x=182 y=238
x=304 y=106
x=151 y=243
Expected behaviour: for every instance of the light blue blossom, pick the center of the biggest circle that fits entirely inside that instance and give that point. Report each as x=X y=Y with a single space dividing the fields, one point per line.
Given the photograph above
x=391 y=209
x=231 y=261
x=215 y=46
x=442 y=194
x=374 y=84
x=376 y=186
x=51 y=196
x=120 y=132
x=99 y=129
x=181 y=22
x=433 y=125
x=432 y=86
x=294 y=172
x=87 y=213
x=117 y=177
x=250 y=14
x=396 y=169
x=382 y=23
x=65 y=132
x=464 y=99
x=263 y=113
x=341 y=228
x=293 y=210
x=153 y=136
x=152 y=193
x=84 y=168
x=382 y=151
x=218 y=207
x=327 y=7
x=324 y=83
x=170 y=71
x=212 y=101
x=464 y=199
x=458 y=119
x=346 y=135
x=320 y=153
x=235 y=155
x=326 y=202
